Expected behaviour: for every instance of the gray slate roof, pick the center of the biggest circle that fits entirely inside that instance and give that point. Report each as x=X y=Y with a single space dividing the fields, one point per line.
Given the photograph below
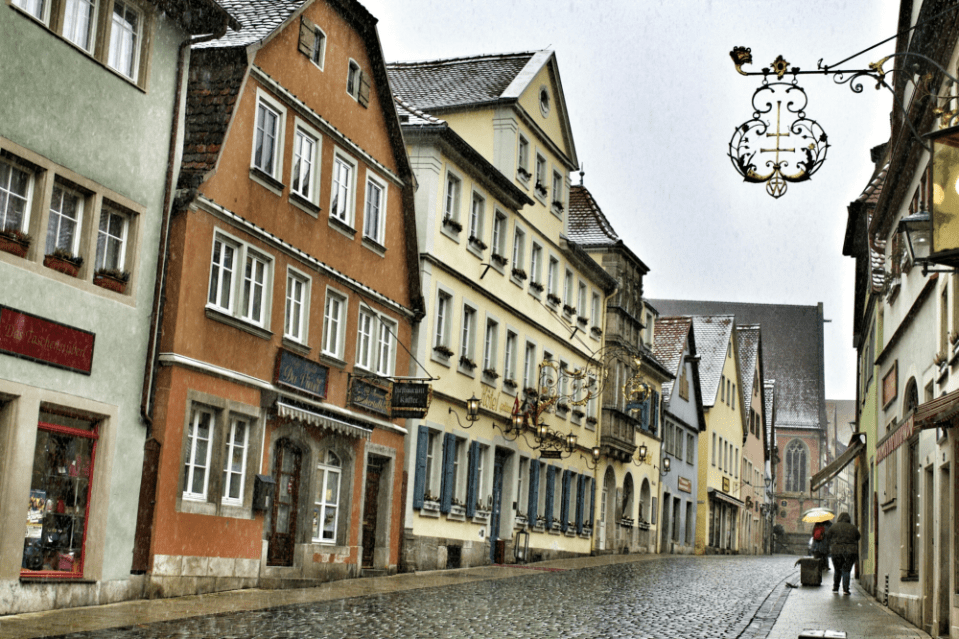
x=588 y=225
x=669 y=342
x=748 y=341
x=257 y=18
x=712 y=338
x=792 y=346
x=457 y=82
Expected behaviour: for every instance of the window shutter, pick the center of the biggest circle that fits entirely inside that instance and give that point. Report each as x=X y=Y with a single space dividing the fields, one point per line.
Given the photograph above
x=533 y=491
x=363 y=95
x=564 y=508
x=446 y=490
x=471 y=482
x=652 y=515
x=644 y=416
x=307 y=34
x=580 y=502
x=550 y=489
x=655 y=408
x=592 y=505
x=419 y=480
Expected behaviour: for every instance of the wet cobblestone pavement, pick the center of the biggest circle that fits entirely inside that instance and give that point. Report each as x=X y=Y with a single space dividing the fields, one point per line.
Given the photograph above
x=668 y=597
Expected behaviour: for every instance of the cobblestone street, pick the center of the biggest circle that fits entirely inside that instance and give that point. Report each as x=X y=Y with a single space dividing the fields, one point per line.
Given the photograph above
x=667 y=597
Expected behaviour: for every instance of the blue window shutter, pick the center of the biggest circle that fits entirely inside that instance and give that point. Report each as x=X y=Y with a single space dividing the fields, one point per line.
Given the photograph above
x=550 y=489
x=655 y=412
x=644 y=416
x=419 y=479
x=592 y=505
x=564 y=509
x=446 y=490
x=471 y=482
x=580 y=502
x=533 y=491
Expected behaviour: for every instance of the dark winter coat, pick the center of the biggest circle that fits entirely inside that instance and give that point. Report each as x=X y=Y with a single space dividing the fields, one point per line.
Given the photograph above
x=842 y=536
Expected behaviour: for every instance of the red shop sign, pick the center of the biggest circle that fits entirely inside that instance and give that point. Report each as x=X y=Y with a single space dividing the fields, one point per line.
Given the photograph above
x=42 y=340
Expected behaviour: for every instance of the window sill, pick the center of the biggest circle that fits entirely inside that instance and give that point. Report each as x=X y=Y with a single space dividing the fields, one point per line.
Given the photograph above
x=374 y=246
x=442 y=360
x=451 y=516
x=469 y=372
x=266 y=180
x=195 y=507
x=477 y=253
x=301 y=202
x=889 y=505
x=295 y=346
x=450 y=233
x=235 y=322
x=332 y=360
x=518 y=282
x=342 y=227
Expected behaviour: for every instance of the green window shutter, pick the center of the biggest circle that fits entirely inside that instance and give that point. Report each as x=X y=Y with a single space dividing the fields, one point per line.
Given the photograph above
x=580 y=502
x=363 y=95
x=446 y=490
x=471 y=487
x=307 y=35
x=419 y=479
x=533 y=492
x=550 y=489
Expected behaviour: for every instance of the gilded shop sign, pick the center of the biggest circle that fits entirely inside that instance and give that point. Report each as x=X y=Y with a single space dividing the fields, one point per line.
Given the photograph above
x=41 y=340
x=301 y=374
x=371 y=396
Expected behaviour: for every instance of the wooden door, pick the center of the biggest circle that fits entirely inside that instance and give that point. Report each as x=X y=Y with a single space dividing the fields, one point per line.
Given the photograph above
x=373 y=473
x=286 y=472
x=498 y=463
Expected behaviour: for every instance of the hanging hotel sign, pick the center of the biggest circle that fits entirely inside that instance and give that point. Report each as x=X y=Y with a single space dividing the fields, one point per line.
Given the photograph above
x=301 y=374
x=370 y=395
x=41 y=340
x=411 y=399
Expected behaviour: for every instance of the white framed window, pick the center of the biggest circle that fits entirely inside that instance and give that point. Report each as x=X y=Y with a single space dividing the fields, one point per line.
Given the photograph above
x=222 y=274
x=39 y=9
x=297 y=306
x=568 y=288
x=477 y=212
x=431 y=443
x=581 y=298
x=451 y=201
x=305 y=164
x=234 y=471
x=344 y=186
x=374 y=217
x=241 y=280
x=529 y=365
x=125 y=35
x=63 y=225
x=558 y=199
x=490 y=344
x=334 y=323
x=16 y=186
x=199 y=446
x=519 y=248
x=499 y=234
x=79 y=20
x=268 y=135
x=535 y=263
x=365 y=324
x=318 y=54
x=468 y=332
x=385 y=350
x=441 y=333
x=112 y=238
x=522 y=157
x=540 y=176
x=509 y=356
x=326 y=506
x=594 y=313
x=256 y=272
x=552 y=275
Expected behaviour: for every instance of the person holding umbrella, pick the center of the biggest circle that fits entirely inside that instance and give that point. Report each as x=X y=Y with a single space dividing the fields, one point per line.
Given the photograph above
x=818 y=545
x=843 y=539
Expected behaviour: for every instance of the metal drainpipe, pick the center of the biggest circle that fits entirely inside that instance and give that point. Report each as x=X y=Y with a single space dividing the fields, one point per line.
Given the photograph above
x=149 y=380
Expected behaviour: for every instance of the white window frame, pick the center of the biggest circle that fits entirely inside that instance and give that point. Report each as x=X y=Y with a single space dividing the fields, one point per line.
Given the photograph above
x=324 y=470
x=568 y=287
x=297 y=309
x=509 y=354
x=73 y=7
x=216 y=285
x=498 y=240
x=443 y=318
x=477 y=213
x=530 y=375
x=265 y=101
x=490 y=343
x=230 y=474
x=122 y=239
x=334 y=327
x=318 y=54
x=581 y=299
x=57 y=217
x=468 y=331
x=254 y=289
x=353 y=73
x=558 y=187
x=192 y=463
x=552 y=275
x=236 y=292
x=28 y=198
x=386 y=347
x=37 y=9
x=337 y=187
x=302 y=130
x=116 y=27
x=519 y=247
x=522 y=156
x=377 y=234
x=539 y=176
x=536 y=263
x=452 y=196
x=595 y=313
x=365 y=336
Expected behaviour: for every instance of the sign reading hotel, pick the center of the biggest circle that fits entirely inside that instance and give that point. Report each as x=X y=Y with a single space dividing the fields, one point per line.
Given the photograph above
x=45 y=341
x=301 y=374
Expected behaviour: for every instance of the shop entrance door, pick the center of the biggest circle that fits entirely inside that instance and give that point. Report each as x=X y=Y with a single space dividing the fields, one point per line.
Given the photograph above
x=286 y=472
x=373 y=472
x=494 y=519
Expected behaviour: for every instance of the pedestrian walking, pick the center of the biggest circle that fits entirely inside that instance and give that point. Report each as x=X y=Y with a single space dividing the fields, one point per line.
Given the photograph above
x=819 y=546
x=843 y=540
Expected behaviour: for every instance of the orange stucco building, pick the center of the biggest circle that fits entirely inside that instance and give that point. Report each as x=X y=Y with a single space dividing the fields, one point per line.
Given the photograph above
x=289 y=290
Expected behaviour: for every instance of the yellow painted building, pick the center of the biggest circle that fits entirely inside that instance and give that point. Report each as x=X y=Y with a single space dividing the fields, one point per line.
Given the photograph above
x=505 y=292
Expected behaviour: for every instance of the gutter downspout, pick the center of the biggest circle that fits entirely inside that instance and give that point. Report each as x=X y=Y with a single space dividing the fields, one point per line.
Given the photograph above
x=156 y=314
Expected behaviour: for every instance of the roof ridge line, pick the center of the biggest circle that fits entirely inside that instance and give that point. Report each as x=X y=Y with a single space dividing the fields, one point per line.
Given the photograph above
x=472 y=58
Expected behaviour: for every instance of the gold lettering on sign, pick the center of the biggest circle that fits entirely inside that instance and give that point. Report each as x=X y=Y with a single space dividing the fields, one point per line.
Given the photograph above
x=489 y=398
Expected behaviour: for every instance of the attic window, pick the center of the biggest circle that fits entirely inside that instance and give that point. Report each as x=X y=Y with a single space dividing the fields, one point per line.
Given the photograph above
x=544 y=101
x=358 y=84
x=312 y=42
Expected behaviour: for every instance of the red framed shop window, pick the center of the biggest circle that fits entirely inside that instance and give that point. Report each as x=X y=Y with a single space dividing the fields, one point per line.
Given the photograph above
x=59 y=504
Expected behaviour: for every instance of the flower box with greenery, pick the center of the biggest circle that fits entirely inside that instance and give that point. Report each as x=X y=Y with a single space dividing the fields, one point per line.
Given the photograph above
x=478 y=243
x=587 y=530
x=541 y=522
x=582 y=321
x=510 y=383
x=431 y=502
x=553 y=299
x=592 y=421
x=558 y=205
x=519 y=273
x=562 y=407
x=940 y=358
x=442 y=349
x=111 y=279
x=555 y=524
x=491 y=373
x=531 y=392
x=569 y=310
x=466 y=362
x=578 y=414
x=63 y=261
x=452 y=224
x=499 y=259
x=541 y=189
x=15 y=241
x=597 y=331
x=523 y=173
x=521 y=520
x=536 y=287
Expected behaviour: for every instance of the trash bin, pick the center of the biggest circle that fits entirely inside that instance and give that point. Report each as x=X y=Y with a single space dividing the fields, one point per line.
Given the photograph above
x=810 y=573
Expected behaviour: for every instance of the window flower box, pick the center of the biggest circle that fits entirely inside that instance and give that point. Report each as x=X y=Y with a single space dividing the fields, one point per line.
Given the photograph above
x=458 y=511
x=466 y=362
x=523 y=173
x=562 y=407
x=578 y=414
x=541 y=189
x=14 y=241
x=553 y=299
x=491 y=373
x=569 y=310
x=64 y=262
x=521 y=521
x=557 y=205
x=499 y=259
x=554 y=526
x=587 y=531
x=531 y=392
x=112 y=279
x=597 y=331
x=452 y=224
x=510 y=383
x=519 y=273
x=592 y=421
x=443 y=350
x=431 y=505
x=582 y=321
x=478 y=243
x=536 y=286
x=540 y=523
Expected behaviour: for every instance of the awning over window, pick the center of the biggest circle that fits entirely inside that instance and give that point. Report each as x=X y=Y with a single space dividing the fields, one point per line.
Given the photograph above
x=721 y=496
x=856 y=444
x=322 y=421
x=941 y=409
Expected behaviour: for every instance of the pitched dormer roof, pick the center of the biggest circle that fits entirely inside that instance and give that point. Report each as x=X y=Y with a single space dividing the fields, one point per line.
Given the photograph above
x=748 y=341
x=588 y=226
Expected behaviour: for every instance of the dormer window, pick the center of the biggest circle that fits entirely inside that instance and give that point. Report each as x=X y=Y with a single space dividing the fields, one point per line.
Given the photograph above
x=358 y=84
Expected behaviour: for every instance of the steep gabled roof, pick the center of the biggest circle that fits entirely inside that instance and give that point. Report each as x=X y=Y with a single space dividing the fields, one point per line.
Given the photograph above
x=258 y=19
x=748 y=341
x=669 y=342
x=588 y=226
x=769 y=391
x=713 y=333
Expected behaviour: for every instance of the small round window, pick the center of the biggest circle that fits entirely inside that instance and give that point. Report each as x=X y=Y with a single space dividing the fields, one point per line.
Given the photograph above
x=544 y=101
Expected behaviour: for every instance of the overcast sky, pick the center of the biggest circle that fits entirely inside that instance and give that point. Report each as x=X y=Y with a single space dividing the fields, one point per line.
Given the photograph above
x=654 y=98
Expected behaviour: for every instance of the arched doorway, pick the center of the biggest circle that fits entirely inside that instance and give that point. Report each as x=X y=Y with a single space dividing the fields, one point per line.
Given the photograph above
x=627 y=508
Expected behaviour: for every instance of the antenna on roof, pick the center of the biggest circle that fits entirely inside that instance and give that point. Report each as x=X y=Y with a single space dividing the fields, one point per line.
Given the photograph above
x=581 y=174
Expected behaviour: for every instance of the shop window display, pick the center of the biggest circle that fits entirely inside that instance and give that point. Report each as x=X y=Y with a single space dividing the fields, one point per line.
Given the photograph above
x=59 y=497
